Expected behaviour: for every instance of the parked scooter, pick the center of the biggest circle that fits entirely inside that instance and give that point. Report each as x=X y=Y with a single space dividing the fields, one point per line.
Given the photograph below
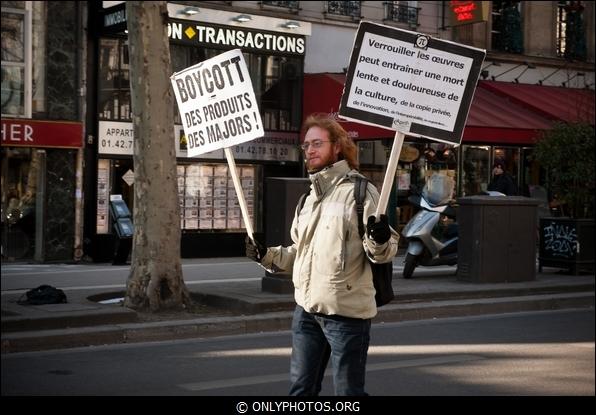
x=431 y=233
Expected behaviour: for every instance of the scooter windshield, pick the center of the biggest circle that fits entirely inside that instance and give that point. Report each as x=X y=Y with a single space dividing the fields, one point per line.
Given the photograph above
x=438 y=189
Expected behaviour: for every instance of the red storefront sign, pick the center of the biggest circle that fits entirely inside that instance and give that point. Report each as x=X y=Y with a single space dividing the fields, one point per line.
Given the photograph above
x=33 y=133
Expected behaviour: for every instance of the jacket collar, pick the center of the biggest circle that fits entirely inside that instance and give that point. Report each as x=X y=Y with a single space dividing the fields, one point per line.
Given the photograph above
x=329 y=177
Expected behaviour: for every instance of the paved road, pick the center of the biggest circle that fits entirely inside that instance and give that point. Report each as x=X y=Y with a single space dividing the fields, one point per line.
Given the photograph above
x=18 y=278
x=539 y=353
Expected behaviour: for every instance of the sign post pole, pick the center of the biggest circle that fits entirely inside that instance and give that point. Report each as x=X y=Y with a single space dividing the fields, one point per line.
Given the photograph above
x=239 y=192
x=398 y=142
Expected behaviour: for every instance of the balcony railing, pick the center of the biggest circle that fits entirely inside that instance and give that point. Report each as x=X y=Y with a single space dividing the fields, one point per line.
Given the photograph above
x=291 y=5
x=401 y=13
x=344 y=8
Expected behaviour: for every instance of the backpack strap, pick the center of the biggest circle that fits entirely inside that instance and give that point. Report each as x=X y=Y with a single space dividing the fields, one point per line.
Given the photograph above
x=360 y=184
x=302 y=200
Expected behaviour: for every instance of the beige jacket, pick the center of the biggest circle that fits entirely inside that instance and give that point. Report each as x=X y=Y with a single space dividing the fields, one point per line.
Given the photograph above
x=330 y=271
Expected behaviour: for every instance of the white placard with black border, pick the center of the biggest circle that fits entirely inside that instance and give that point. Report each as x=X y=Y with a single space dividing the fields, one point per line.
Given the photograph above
x=410 y=82
x=217 y=103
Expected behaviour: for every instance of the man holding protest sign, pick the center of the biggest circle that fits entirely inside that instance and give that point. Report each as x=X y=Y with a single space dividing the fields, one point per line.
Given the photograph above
x=332 y=277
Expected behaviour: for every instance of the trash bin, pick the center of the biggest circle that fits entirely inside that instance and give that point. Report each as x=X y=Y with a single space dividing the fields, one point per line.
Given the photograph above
x=497 y=238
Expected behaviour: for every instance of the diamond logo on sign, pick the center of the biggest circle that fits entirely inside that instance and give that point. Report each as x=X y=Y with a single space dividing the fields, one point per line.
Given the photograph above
x=190 y=32
x=129 y=177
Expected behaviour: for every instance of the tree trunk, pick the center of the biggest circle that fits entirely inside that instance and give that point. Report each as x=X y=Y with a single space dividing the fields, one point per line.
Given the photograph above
x=155 y=281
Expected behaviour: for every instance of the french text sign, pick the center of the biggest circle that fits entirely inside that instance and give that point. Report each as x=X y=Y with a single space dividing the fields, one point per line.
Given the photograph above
x=217 y=103
x=410 y=82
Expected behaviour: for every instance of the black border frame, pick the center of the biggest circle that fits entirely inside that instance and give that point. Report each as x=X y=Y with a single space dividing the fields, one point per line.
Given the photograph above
x=477 y=55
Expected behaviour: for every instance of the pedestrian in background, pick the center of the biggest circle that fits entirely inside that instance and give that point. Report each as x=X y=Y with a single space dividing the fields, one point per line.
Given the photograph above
x=332 y=278
x=502 y=181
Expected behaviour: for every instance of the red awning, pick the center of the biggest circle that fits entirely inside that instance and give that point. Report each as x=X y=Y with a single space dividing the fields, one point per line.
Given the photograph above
x=555 y=103
x=492 y=117
x=322 y=93
x=495 y=119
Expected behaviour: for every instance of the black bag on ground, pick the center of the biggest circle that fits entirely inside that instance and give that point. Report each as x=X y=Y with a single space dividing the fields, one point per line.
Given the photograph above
x=44 y=294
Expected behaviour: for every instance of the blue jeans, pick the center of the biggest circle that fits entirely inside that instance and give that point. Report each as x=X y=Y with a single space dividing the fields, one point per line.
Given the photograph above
x=315 y=339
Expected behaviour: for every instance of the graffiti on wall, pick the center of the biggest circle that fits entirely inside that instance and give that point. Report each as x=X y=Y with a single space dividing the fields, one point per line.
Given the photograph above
x=560 y=240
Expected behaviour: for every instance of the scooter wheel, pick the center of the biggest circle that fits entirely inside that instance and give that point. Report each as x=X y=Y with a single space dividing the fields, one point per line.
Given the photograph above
x=409 y=266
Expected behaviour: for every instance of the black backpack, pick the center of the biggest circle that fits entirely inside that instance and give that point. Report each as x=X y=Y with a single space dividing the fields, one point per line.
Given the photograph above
x=382 y=273
x=44 y=294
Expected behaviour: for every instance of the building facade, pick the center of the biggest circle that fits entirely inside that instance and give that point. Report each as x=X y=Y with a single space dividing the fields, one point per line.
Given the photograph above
x=42 y=131
x=211 y=219
x=65 y=65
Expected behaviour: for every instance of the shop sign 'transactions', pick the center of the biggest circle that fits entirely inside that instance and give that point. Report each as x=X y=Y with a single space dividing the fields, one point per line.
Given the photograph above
x=204 y=34
x=195 y=34
x=410 y=82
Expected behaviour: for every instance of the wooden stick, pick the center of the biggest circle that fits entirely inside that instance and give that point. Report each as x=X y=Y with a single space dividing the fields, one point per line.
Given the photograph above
x=239 y=192
x=398 y=142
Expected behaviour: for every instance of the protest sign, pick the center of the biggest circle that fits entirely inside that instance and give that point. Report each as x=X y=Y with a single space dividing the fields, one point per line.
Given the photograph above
x=219 y=109
x=411 y=83
x=217 y=103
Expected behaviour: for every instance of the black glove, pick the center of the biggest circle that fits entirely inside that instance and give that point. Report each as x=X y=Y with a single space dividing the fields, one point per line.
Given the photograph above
x=254 y=250
x=378 y=231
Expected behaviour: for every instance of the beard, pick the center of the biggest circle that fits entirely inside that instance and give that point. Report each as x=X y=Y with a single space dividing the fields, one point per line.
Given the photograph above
x=321 y=163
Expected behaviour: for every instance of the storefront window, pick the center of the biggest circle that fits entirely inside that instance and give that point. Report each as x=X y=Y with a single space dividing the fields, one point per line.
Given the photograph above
x=439 y=158
x=39 y=58
x=114 y=86
x=13 y=63
x=511 y=157
x=208 y=198
x=418 y=162
x=475 y=173
x=20 y=168
x=103 y=196
x=206 y=194
x=532 y=175
x=23 y=58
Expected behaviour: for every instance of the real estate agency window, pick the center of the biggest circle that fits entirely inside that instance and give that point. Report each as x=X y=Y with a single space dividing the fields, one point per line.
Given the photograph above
x=208 y=199
x=16 y=59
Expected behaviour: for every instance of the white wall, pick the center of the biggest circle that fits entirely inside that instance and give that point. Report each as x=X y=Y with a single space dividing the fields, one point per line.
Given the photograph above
x=328 y=48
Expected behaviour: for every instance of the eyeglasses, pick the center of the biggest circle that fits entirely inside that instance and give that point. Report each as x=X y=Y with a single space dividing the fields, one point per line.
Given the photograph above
x=314 y=144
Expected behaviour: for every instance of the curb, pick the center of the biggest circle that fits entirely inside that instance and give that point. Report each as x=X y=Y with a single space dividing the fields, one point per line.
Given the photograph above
x=60 y=320
x=276 y=321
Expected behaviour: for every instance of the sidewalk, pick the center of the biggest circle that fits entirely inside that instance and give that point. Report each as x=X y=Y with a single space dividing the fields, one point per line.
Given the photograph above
x=224 y=309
